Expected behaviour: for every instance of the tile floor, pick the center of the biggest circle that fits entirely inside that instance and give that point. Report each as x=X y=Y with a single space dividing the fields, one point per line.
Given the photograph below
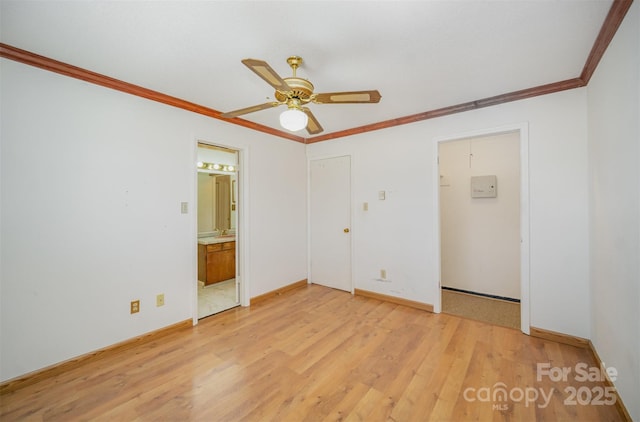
x=216 y=297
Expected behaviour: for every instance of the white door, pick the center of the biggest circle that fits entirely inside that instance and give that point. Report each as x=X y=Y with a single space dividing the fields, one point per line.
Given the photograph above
x=330 y=222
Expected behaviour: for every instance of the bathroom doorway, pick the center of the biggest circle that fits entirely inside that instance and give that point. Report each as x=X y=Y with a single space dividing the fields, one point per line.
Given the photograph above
x=218 y=196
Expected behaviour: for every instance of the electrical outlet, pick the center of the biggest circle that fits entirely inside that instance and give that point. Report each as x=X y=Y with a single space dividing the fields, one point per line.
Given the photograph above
x=383 y=274
x=135 y=306
x=160 y=299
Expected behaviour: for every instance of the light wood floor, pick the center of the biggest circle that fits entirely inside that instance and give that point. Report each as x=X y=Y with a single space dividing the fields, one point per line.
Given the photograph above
x=315 y=354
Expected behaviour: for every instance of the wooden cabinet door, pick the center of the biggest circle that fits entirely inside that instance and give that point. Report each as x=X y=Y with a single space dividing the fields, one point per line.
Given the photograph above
x=202 y=263
x=227 y=261
x=221 y=263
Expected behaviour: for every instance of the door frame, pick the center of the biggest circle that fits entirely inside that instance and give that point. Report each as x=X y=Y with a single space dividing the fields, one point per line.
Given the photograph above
x=523 y=130
x=242 y=223
x=351 y=213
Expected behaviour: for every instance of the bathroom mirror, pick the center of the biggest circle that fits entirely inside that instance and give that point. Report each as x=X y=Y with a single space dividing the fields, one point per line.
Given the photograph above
x=217 y=178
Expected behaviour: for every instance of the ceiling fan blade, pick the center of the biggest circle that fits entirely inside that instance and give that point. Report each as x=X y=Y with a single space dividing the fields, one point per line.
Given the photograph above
x=313 y=127
x=348 y=97
x=265 y=71
x=248 y=110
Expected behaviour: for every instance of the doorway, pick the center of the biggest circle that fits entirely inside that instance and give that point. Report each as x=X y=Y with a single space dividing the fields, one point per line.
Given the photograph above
x=217 y=221
x=330 y=222
x=483 y=226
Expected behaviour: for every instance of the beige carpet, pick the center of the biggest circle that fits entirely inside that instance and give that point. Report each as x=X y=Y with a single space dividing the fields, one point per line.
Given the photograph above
x=493 y=311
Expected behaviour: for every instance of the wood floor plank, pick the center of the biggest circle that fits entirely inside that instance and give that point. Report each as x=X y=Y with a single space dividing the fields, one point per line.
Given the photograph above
x=365 y=406
x=317 y=354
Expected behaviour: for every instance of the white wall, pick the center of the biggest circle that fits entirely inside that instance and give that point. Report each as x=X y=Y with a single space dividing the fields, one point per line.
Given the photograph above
x=399 y=234
x=91 y=185
x=480 y=237
x=614 y=153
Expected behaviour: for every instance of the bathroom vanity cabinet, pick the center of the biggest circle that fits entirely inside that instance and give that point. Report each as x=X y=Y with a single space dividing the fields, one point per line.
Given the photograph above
x=216 y=262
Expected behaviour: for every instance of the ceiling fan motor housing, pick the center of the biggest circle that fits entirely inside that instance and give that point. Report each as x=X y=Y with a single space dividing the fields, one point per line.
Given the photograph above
x=301 y=89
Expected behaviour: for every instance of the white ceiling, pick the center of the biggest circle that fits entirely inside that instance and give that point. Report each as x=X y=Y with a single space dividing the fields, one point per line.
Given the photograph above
x=420 y=55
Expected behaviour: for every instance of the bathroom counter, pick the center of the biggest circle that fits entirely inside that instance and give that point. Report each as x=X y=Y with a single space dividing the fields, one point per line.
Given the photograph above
x=216 y=239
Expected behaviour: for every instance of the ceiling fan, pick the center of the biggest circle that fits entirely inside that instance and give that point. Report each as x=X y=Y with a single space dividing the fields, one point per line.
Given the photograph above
x=295 y=92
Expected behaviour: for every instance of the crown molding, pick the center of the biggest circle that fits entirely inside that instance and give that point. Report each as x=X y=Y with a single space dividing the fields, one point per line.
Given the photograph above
x=71 y=71
x=612 y=22
x=617 y=12
x=471 y=105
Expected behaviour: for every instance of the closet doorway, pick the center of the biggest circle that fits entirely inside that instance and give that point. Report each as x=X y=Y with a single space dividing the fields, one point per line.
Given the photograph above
x=481 y=225
x=218 y=283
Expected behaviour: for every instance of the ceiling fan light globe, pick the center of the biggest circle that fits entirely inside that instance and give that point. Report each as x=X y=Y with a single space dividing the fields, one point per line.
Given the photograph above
x=293 y=120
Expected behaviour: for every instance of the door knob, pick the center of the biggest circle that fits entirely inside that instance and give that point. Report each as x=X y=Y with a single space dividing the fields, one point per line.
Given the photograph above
x=346 y=230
